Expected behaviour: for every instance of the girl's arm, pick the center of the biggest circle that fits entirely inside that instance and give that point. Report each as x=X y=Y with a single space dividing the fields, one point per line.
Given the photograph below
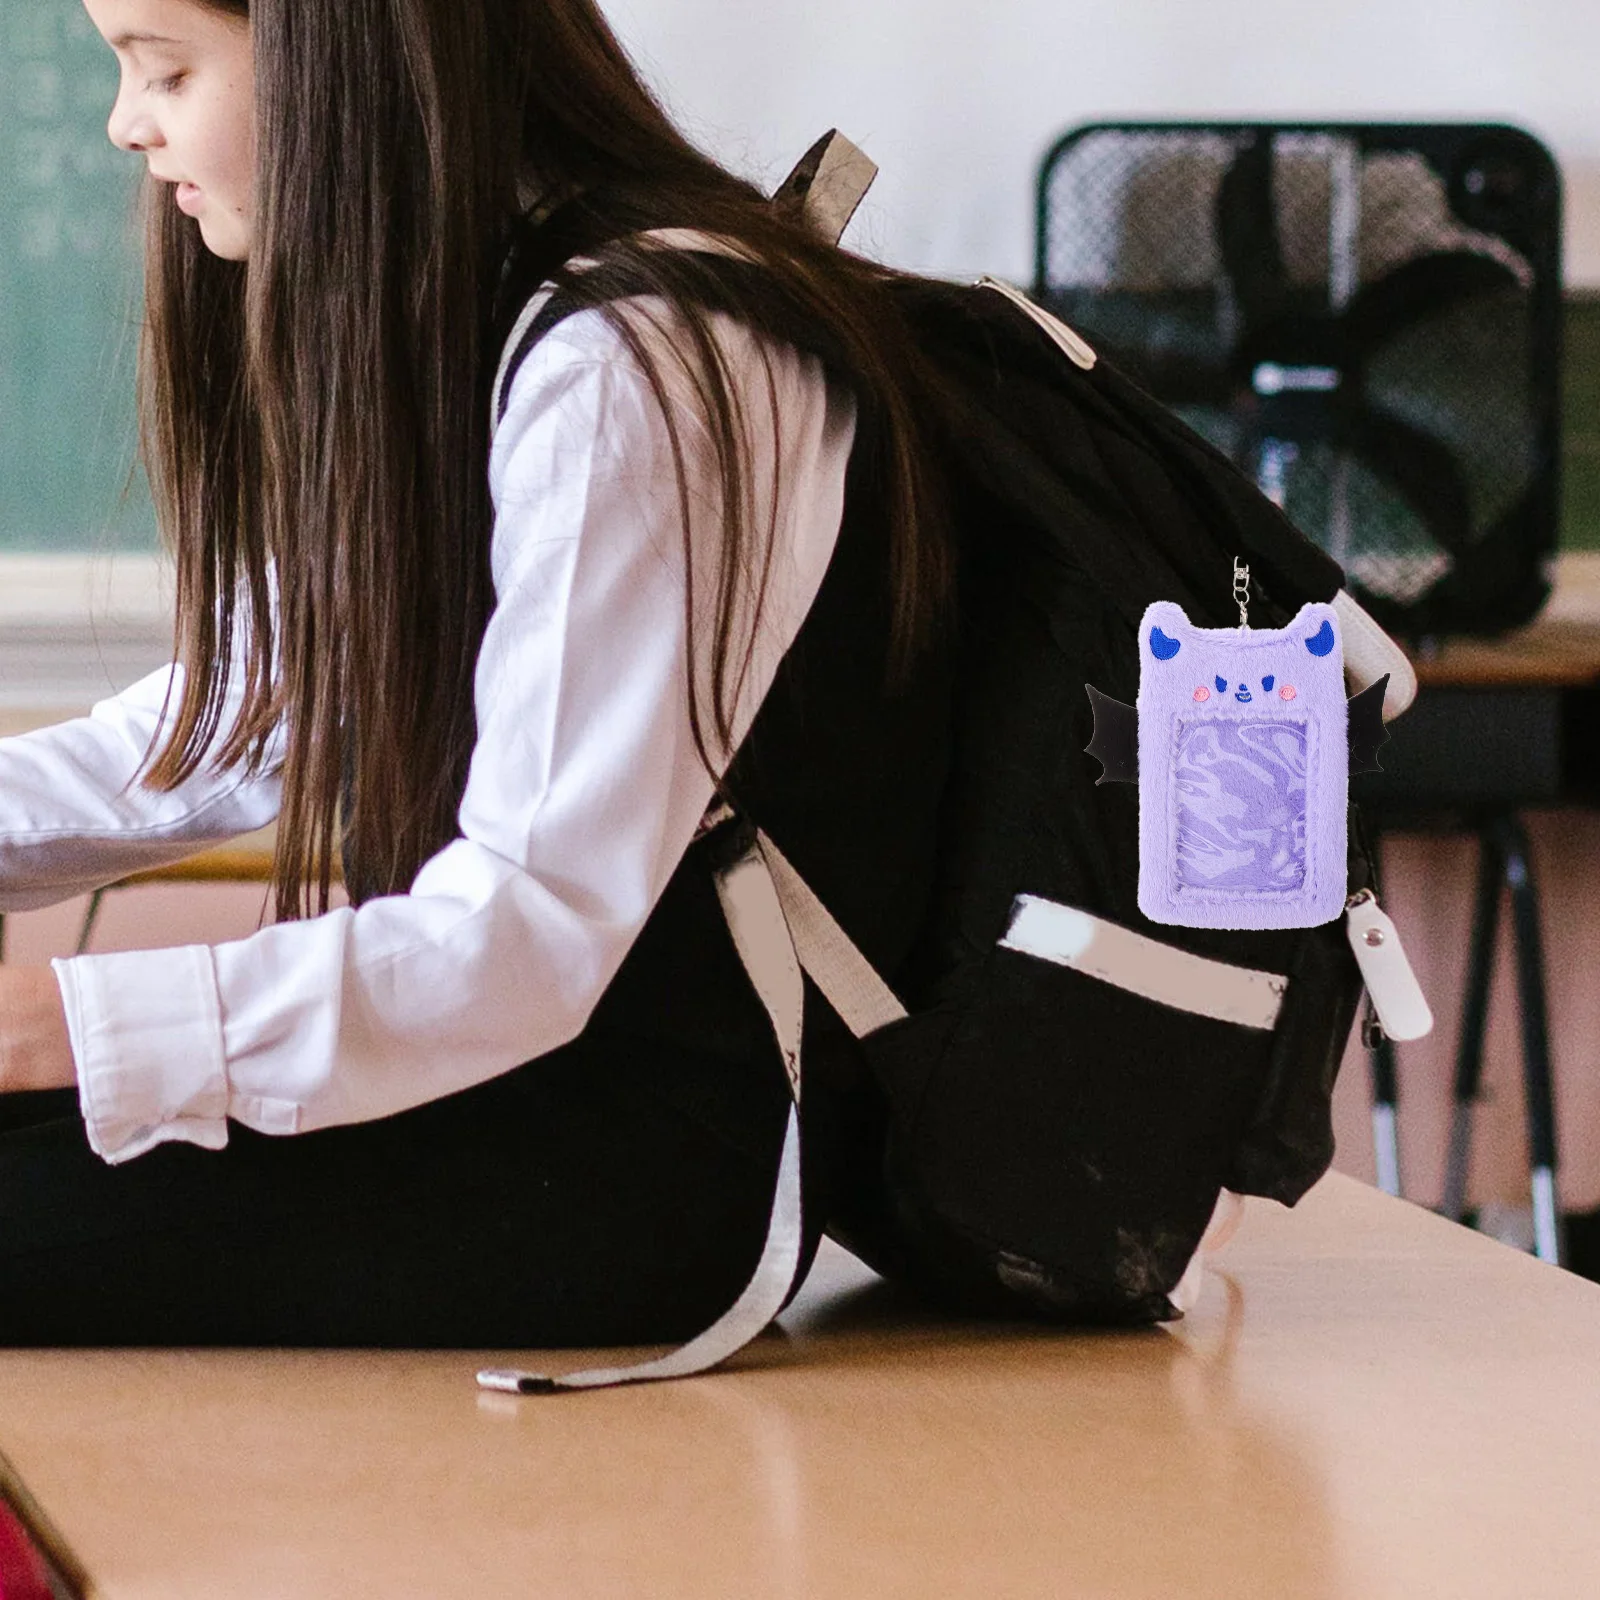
x=72 y=819
x=584 y=791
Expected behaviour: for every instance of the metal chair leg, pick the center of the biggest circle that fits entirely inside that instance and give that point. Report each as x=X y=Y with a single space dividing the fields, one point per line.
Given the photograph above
x=85 y=932
x=1385 y=1115
x=1536 y=1070
x=90 y=917
x=1381 y=1065
x=1385 y=1078
x=1474 y=1014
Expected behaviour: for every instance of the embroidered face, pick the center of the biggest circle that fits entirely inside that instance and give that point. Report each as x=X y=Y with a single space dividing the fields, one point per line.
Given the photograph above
x=1242 y=692
x=1236 y=744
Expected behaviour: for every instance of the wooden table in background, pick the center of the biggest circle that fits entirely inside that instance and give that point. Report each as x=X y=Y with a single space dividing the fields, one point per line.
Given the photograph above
x=1371 y=1402
x=1559 y=649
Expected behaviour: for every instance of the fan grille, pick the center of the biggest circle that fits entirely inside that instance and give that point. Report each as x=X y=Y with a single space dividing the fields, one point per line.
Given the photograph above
x=1296 y=314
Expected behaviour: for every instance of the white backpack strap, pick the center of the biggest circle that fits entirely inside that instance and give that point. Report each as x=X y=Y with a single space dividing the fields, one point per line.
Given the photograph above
x=755 y=919
x=1369 y=653
x=1071 y=343
x=848 y=981
x=706 y=244
x=779 y=927
x=657 y=238
x=528 y=316
x=828 y=186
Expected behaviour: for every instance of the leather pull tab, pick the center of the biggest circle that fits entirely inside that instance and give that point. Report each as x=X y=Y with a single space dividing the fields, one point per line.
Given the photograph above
x=1392 y=986
x=828 y=185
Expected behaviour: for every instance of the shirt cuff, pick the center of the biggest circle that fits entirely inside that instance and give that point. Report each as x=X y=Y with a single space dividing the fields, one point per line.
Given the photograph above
x=146 y=1030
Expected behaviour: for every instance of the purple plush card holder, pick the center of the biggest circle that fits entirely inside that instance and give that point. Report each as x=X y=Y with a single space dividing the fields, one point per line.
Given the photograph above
x=1244 y=771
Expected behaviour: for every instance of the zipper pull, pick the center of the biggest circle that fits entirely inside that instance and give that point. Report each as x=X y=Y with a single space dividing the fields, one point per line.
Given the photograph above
x=1392 y=986
x=1077 y=349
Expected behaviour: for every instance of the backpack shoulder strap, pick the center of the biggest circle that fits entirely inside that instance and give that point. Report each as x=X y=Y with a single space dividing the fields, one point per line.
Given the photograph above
x=549 y=307
x=827 y=186
x=826 y=189
x=778 y=925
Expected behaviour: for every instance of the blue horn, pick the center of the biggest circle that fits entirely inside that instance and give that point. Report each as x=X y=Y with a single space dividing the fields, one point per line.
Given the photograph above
x=1161 y=647
x=1322 y=641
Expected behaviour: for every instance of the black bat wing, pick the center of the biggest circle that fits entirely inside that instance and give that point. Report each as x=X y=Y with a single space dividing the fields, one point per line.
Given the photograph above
x=1115 y=744
x=1367 y=732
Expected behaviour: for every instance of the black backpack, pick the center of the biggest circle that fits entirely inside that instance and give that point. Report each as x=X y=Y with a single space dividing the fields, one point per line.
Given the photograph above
x=1075 y=1087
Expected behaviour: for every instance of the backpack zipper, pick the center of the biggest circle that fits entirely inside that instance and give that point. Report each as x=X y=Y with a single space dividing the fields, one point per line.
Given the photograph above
x=1077 y=349
x=1392 y=986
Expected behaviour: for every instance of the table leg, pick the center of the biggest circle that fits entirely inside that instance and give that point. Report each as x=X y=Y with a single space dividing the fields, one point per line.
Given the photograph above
x=90 y=917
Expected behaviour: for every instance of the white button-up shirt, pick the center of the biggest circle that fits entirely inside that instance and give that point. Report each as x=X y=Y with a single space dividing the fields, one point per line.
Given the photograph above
x=585 y=786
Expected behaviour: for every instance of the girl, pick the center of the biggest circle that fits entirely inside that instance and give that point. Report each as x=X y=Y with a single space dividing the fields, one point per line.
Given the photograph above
x=519 y=1091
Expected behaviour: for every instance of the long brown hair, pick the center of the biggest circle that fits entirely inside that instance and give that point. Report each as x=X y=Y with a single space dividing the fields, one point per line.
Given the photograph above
x=316 y=419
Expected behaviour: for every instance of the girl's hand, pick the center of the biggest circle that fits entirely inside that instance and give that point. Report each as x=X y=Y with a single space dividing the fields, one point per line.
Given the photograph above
x=35 y=1049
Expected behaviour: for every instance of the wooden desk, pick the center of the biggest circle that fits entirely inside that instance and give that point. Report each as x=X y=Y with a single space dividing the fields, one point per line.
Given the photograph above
x=247 y=859
x=1373 y=1403
x=1560 y=648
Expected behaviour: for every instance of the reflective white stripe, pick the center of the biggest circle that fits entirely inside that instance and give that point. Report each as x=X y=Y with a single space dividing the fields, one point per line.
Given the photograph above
x=1073 y=938
x=848 y=981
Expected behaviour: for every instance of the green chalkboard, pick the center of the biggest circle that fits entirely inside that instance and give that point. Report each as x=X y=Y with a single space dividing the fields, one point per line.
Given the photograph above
x=1581 y=413
x=68 y=290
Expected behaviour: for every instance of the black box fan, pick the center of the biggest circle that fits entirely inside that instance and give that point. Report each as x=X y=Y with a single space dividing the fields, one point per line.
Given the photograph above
x=1365 y=317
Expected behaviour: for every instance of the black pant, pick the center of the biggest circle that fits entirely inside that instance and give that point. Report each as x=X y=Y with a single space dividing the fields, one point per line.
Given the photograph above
x=571 y=1202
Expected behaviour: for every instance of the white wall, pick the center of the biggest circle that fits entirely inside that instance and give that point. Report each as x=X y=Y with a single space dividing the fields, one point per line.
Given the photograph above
x=958 y=99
